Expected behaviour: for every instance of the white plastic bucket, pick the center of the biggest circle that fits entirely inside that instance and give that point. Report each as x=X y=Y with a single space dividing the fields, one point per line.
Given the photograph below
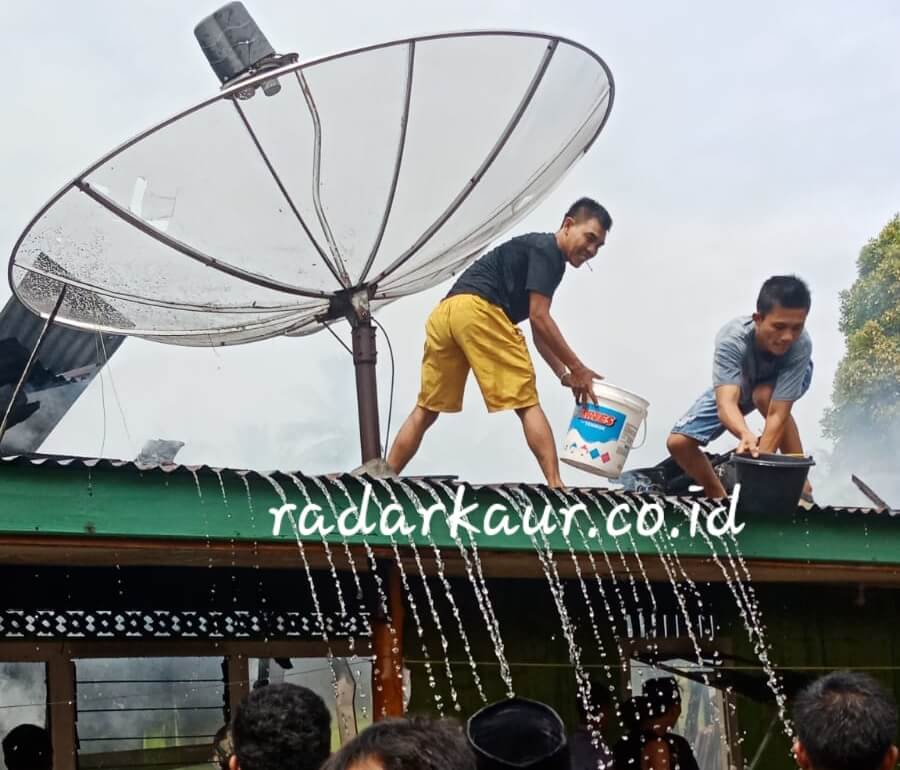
x=601 y=435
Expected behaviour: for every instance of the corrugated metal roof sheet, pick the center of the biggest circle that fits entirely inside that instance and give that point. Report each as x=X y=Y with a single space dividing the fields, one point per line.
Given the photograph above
x=67 y=360
x=613 y=494
x=64 y=349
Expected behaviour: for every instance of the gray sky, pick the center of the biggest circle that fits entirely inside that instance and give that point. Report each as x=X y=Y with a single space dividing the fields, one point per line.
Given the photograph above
x=744 y=141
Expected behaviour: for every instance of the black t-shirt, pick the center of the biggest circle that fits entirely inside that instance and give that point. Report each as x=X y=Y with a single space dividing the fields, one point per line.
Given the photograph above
x=506 y=275
x=628 y=750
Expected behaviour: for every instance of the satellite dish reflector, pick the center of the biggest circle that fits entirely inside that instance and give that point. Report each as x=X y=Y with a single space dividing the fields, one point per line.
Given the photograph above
x=375 y=173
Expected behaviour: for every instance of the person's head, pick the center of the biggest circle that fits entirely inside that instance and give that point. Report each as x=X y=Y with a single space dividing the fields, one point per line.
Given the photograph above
x=601 y=703
x=281 y=727
x=583 y=231
x=518 y=734
x=406 y=744
x=845 y=721
x=222 y=747
x=27 y=747
x=662 y=705
x=781 y=310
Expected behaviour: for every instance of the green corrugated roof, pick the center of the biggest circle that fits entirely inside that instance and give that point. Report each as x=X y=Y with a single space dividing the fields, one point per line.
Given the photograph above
x=56 y=496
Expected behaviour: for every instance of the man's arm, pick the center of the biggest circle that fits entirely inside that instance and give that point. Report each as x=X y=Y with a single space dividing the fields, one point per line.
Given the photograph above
x=776 y=421
x=788 y=388
x=581 y=378
x=545 y=327
x=558 y=367
x=727 y=398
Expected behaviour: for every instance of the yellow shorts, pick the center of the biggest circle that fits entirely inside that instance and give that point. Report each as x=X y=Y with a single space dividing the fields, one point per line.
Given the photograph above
x=466 y=331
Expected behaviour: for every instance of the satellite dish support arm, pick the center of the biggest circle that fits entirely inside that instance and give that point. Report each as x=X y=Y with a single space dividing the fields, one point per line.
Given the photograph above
x=356 y=309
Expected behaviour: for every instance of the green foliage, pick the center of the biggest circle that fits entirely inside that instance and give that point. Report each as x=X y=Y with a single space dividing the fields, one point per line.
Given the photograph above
x=864 y=418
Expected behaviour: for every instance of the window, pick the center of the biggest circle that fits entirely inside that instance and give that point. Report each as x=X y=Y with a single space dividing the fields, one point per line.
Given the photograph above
x=23 y=697
x=704 y=710
x=162 y=712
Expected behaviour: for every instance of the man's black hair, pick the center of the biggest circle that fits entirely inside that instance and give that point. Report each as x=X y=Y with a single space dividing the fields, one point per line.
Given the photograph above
x=662 y=693
x=588 y=208
x=785 y=290
x=416 y=743
x=846 y=721
x=27 y=747
x=282 y=727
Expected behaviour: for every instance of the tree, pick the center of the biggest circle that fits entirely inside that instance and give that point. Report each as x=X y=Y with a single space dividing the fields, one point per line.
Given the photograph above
x=864 y=418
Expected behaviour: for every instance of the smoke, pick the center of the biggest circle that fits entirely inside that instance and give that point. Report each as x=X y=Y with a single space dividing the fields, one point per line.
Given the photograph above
x=878 y=468
x=867 y=442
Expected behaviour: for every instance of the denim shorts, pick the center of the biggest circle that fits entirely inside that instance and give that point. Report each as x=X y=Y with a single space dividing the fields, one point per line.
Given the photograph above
x=702 y=420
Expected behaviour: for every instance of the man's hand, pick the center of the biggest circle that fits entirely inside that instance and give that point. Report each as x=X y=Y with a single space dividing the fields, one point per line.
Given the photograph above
x=581 y=380
x=749 y=445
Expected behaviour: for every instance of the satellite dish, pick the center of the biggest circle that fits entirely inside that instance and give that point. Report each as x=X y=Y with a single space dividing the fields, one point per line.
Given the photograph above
x=308 y=192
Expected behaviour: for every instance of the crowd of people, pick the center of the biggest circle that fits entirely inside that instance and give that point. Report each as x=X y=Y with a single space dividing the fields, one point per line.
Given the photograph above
x=842 y=721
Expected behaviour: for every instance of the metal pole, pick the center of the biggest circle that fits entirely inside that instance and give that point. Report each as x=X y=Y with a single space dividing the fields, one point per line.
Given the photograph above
x=364 y=357
x=26 y=372
x=765 y=742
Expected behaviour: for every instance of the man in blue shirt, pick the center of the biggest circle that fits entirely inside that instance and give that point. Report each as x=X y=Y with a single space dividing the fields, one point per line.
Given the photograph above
x=761 y=362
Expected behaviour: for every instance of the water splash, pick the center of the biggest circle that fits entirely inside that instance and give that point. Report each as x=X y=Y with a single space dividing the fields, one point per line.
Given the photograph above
x=754 y=631
x=557 y=590
x=301 y=487
x=209 y=555
x=382 y=597
x=420 y=630
x=673 y=566
x=607 y=607
x=196 y=481
x=629 y=574
x=254 y=543
x=231 y=543
x=320 y=618
x=448 y=591
x=218 y=474
x=596 y=736
x=617 y=590
x=348 y=553
x=479 y=587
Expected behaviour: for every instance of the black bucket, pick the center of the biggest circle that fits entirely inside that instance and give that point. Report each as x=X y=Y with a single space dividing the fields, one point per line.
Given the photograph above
x=770 y=483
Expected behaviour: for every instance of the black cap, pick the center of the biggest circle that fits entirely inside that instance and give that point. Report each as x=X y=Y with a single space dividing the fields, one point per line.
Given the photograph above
x=518 y=734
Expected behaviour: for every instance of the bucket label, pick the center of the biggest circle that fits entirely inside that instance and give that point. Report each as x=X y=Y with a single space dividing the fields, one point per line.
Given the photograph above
x=598 y=424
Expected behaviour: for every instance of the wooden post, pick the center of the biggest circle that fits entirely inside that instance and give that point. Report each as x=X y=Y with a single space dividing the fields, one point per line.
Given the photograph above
x=61 y=696
x=387 y=636
x=238 y=672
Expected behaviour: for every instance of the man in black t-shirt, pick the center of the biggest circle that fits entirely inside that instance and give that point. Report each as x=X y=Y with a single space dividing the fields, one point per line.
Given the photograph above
x=475 y=327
